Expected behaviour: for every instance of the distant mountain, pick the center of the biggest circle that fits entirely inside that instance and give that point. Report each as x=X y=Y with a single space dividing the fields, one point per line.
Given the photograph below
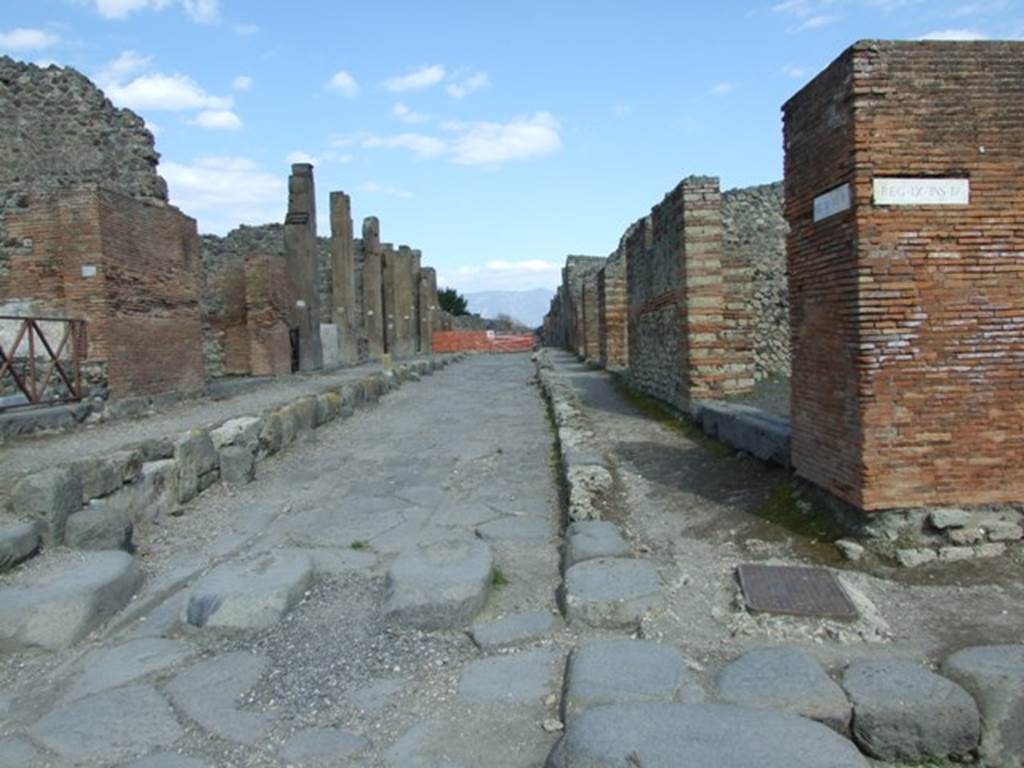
x=528 y=307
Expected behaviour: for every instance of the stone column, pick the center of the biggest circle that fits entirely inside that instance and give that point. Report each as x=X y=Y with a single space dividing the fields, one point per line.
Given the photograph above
x=303 y=265
x=403 y=302
x=343 y=262
x=373 y=277
x=427 y=307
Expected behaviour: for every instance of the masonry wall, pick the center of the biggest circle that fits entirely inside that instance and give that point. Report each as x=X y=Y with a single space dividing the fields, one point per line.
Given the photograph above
x=130 y=269
x=269 y=296
x=613 y=311
x=591 y=322
x=908 y=321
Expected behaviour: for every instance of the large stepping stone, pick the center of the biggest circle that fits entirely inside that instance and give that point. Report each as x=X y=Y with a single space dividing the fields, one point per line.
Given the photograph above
x=112 y=667
x=16 y=753
x=623 y=671
x=439 y=586
x=516 y=629
x=99 y=526
x=787 y=679
x=109 y=727
x=610 y=592
x=55 y=608
x=904 y=712
x=513 y=528
x=591 y=539
x=994 y=675
x=17 y=544
x=250 y=594
x=317 y=746
x=50 y=496
x=209 y=693
x=699 y=736
x=522 y=678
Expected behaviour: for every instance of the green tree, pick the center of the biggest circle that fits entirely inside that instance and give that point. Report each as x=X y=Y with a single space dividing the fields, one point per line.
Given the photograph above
x=452 y=302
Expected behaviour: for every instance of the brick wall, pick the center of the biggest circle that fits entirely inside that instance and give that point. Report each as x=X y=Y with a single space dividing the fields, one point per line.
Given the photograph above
x=907 y=329
x=130 y=268
x=591 y=319
x=269 y=297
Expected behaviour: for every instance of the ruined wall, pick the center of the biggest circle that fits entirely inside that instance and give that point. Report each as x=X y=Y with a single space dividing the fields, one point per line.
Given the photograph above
x=907 y=330
x=226 y=345
x=269 y=296
x=613 y=311
x=754 y=236
x=591 y=322
x=373 y=287
x=576 y=271
x=131 y=269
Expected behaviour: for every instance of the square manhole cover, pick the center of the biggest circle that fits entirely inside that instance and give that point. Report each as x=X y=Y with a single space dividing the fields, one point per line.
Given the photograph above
x=795 y=591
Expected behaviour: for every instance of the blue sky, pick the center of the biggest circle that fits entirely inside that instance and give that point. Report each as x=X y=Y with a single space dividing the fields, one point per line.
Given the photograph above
x=496 y=137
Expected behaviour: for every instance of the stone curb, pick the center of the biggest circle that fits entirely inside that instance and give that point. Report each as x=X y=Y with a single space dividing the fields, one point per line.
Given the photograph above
x=158 y=475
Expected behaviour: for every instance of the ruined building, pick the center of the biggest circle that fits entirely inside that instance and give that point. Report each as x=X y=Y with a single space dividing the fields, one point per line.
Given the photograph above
x=87 y=233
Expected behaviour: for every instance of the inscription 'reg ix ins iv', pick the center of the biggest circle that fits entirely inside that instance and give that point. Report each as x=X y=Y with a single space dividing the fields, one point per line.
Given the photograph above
x=925 y=191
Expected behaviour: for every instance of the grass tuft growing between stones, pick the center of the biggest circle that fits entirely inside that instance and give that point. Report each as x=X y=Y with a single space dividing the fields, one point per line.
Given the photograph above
x=360 y=545
x=499 y=579
x=785 y=507
x=655 y=410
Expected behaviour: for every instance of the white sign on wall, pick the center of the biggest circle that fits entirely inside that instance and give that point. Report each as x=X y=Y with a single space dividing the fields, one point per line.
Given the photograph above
x=832 y=202
x=88 y=270
x=909 y=191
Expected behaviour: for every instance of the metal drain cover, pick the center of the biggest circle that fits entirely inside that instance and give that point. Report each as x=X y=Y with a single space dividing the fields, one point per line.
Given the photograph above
x=795 y=591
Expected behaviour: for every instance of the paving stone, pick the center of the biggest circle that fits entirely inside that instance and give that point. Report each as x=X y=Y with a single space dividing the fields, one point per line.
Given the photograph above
x=520 y=678
x=153 y=495
x=50 y=496
x=169 y=760
x=699 y=735
x=209 y=693
x=439 y=586
x=610 y=592
x=621 y=671
x=197 y=460
x=515 y=629
x=250 y=594
x=112 y=667
x=16 y=753
x=904 y=712
x=590 y=539
x=994 y=675
x=911 y=558
x=17 y=544
x=237 y=465
x=787 y=679
x=54 y=608
x=513 y=528
x=98 y=526
x=316 y=746
x=110 y=726
x=244 y=431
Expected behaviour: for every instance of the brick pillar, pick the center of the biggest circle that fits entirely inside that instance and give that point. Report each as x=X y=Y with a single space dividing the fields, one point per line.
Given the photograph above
x=303 y=265
x=343 y=274
x=269 y=298
x=427 y=307
x=905 y=198
x=591 y=320
x=373 y=276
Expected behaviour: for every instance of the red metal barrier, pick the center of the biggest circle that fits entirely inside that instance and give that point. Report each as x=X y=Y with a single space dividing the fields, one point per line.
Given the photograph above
x=23 y=364
x=480 y=341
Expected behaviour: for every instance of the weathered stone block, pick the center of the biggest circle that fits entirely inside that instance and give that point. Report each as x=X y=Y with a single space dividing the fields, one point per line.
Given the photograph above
x=50 y=497
x=99 y=526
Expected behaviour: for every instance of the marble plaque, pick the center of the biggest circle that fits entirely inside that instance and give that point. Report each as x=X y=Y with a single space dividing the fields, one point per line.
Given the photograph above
x=930 y=191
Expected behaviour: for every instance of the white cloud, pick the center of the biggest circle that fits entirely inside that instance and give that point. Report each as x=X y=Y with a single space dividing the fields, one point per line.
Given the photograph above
x=496 y=143
x=622 y=110
x=125 y=65
x=795 y=72
x=24 y=39
x=721 y=89
x=298 y=156
x=218 y=119
x=344 y=83
x=202 y=11
x=501 y=274
x=419 y=144
x=223 y=192
x=817 y=22
x=955 y=34
x=164 y=92
x=245 y=30
x=480 y=143
x=242 y=83
x=406 y=115
x=375 y=188
x=465 y=87
x=424 y=77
